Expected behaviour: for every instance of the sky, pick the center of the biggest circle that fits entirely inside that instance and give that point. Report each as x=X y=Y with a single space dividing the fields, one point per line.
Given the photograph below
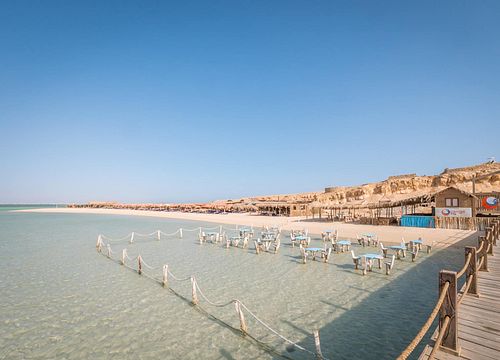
x=185 y=101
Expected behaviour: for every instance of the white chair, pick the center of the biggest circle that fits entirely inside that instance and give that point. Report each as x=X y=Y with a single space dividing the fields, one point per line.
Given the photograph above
x=292 y=238
x=389 y=265
x=277 y=246
x=414 y=253
x=384 y=249
x=245 y=241
x=361 y=240
x=356 y=260
x=326 y=254
x=202 y=237
x=258 y=247
x=303 y=252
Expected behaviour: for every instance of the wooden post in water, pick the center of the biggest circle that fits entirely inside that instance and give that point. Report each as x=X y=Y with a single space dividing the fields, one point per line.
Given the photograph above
x=124 y=254
x=449 y=309
x=139 y=265
x=132 y=237
x=180 y=233
x=99 y=244
x=319 y=354
x=109 y=251
x=243 y=325
x=165 y=276
x=159 y=235
x=471 y=269
x=193 y=291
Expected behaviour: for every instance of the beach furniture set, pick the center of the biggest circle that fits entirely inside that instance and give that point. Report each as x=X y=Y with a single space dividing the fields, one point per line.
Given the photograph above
x=315 y=252
x=211 y=237
x=300 y=237
x=269 y=241
x=367 y=239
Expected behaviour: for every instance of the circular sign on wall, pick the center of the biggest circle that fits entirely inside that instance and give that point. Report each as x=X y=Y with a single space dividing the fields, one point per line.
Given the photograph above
x=489 y=202
x=445 y=212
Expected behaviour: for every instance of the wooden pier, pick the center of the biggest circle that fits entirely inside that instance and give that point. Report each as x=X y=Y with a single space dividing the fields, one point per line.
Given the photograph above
x=478 y=319
x=469 y=318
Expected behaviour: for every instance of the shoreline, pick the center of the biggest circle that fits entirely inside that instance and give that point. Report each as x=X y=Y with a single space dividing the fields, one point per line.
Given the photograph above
x=387 y=234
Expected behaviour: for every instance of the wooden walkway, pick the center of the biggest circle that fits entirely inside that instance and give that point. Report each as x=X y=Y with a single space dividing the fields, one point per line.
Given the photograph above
x=478 y=319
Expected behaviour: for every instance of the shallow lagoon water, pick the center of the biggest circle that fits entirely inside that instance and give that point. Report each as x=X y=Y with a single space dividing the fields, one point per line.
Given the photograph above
x=61 y=299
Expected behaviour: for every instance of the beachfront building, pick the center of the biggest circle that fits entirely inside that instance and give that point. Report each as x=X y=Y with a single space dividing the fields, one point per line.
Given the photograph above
x=454 y=202
x=284 y=208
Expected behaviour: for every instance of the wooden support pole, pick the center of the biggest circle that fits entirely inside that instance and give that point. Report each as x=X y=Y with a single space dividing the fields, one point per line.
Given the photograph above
x=124 y=255
x=139 y=265
x=489 y=239
x=99 y=244
x=471 y=269
x=317 y=344
x=165 y=276
x=132 y=237
x=159 y=235
x=449 y=309
x=495 y=231
x=483 y=254
x=195 y=300
x=243 y=325
x=109 y=250
x=180 y=233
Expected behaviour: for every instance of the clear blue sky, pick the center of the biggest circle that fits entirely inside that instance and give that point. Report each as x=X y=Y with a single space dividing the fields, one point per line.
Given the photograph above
x=171 y=101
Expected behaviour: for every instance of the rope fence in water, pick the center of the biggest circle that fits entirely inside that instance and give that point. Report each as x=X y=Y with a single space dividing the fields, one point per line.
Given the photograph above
x=240 y=307
x=159 y=235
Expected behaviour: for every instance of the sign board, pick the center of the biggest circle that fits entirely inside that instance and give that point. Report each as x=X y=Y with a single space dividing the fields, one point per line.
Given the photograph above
x=489 y=202
x=453 y=212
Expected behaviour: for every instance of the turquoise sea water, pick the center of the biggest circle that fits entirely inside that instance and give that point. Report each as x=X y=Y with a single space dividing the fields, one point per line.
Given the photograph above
x=60 y=299
x=10 y=207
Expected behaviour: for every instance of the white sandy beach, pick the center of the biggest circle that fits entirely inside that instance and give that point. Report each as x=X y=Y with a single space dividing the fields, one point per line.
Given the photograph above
x=387 y=234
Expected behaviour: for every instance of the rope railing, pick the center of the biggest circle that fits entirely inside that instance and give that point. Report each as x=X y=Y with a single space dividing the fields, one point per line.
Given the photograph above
x=476 y=259
x=466 y=265
x=466 y=289
x=409 y=349
x=439 y=339
x=158 y=234
x=195 y=289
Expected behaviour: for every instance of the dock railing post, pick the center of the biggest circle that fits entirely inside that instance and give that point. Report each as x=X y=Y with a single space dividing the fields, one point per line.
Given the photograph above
x=489 y=239
x=449 y=309
x=471 y=269
x=495 y=231
x=483 y=255
x=139 y=265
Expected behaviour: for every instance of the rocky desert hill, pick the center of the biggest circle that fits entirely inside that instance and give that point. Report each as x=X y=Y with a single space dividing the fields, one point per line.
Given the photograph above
x=398 y=187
